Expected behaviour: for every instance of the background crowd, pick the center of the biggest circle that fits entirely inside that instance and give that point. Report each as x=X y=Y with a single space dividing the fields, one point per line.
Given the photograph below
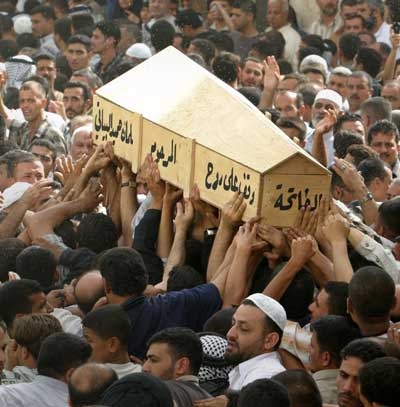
x=118 y=291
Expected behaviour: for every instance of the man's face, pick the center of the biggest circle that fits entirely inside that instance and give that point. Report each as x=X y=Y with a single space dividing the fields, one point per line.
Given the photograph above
x=40 y=304
x=328 y=7
x=348 y=11
x=252 y=74
x=347 y=382
x=74 y=102
x=358 y=91
x=394 y=190
x=392 y=95
x=276 y=16
x=320 y=109
x=338 y=83
x=320 y=306
x=158 y=8
x=285 y=103
x=386 y=146
x=364 y=10
x=353 y=25
x=100 y=352
x=381 y=187
x=246 y=338
x=315 y=363
x=366 y=40
x=240 y=19
x=46 y=158
x=288 y=84
x=32 y=104
x=82 y=144
x=316 y=77
x=159 y=362
x=98 y=41
x=47 y=69
x=30 y=172
x=41 y=26
x=78 y=56
x=356 y=127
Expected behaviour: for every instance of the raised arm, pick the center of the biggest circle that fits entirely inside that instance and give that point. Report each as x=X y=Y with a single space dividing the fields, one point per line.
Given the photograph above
x=231 y=218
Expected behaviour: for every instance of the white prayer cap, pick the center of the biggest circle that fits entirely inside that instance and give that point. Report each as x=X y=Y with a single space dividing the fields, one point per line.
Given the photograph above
x=271 y=308
x=22 y=24
x=332 y=96
x=314 y=62
x=14 y=192
x=138 y=50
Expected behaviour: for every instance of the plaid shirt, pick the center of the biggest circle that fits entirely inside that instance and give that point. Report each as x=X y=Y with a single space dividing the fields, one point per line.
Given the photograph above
x=108 y=72
x=20 y=135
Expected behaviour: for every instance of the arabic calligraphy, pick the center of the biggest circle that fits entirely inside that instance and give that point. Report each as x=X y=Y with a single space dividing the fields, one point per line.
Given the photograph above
x=113 y=128
x=285 y=201
x=229 y=182
x=160 y=155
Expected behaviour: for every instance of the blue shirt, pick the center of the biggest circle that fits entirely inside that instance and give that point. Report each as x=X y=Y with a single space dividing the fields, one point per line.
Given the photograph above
x=188 y=308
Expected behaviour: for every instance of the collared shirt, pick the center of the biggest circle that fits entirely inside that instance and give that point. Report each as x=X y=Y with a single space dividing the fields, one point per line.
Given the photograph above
x=319 y=28
x=260 y=367
x=189 y=308
x=396 y=169
x=43 y=391
x=292 y=39
x=48 y=45
x=326 y=382
x=108 y=73
x=20 y=374
x=375 y=252
x=123 y=369
x=19 y=134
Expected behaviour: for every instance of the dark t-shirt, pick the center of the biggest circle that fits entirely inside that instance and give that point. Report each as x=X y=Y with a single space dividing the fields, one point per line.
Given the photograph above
x=188 y=308
x=242 y=45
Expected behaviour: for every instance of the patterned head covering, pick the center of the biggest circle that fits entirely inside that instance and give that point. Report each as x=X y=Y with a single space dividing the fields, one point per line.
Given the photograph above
x=214 y=365
x=19 y=69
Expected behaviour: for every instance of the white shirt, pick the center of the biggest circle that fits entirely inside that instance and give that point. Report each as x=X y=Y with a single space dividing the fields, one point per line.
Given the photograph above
x=318 y=28
x=307 y=11
x=70 y=323
x=43 y=391
x=293 y=39
x=328 y=141
x=260 y=367
x=123 y=369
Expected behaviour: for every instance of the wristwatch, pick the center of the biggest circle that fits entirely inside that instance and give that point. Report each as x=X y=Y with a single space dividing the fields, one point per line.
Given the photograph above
x=368 y=197
x=210 y=231
x=131 y=184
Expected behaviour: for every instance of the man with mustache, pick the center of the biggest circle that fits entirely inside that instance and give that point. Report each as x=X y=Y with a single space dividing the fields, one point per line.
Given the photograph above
x=253 y=340
x=76 y=99
x=328 y=105
x=359 y=89
x=354 y=356
x=383 y=137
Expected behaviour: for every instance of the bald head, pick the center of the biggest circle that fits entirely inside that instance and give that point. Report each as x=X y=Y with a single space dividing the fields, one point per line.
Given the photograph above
x=88 y=383
x=88 y=290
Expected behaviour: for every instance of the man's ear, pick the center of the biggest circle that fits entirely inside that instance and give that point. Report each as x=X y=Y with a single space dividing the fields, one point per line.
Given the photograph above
x=271 y=340
x=326 y=358
x=182 y=366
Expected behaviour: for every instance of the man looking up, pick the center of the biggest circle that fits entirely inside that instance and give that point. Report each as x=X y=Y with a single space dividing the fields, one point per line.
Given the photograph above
x=253 y=340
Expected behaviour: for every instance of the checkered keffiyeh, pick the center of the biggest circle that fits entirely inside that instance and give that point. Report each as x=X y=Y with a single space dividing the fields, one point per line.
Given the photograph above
x=214 y=347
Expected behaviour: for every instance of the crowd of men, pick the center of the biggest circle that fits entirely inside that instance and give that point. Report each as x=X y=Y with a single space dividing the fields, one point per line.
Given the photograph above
x=118 y=291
